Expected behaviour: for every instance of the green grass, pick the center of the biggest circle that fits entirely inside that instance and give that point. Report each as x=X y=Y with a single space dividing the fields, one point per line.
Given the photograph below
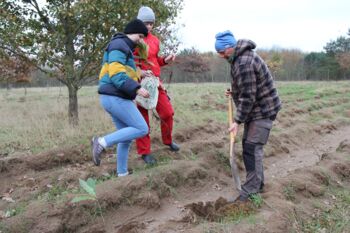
x=16 y=210
x=191 y=156
x=257 y=200
x=40 y=123
x=333 y=218
x=56 y=192
x=22 y=226
x=246 y=213
x=236 y=217
x=289 y=192
x=223 y=160
x=316 y=118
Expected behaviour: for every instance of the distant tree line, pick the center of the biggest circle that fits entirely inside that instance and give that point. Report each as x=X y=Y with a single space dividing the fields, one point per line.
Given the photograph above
x=285 y=64
x=193 y=66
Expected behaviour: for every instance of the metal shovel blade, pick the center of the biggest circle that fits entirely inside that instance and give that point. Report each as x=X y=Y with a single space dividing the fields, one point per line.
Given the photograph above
x=234 y=168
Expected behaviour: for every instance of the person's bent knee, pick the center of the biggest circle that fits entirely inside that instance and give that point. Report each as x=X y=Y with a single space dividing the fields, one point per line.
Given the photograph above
x=164 y=116
x=144 y=130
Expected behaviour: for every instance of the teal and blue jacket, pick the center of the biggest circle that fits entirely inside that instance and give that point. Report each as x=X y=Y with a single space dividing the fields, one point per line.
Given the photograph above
x=118 y=75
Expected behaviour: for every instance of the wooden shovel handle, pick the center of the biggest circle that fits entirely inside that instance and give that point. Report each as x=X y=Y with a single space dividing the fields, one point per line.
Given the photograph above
x=234 y=168
x=230 y=117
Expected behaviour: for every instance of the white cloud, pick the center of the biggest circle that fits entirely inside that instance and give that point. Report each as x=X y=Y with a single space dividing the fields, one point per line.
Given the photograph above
x=303 y=24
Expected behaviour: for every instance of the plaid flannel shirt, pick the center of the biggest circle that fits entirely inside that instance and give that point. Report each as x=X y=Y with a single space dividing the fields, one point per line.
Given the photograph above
x=253 y=90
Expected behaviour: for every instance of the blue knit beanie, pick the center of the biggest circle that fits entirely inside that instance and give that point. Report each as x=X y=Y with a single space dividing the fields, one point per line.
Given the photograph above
x=146 y=14
x=224 y=40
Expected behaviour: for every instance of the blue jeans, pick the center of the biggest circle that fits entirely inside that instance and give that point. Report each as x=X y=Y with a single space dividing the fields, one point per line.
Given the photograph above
x=129 y=123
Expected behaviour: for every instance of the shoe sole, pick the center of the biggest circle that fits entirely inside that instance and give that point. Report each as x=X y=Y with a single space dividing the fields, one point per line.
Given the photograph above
x=97 y=163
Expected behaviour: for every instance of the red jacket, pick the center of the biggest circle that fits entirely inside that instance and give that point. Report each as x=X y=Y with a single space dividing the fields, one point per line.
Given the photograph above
x=155 y=61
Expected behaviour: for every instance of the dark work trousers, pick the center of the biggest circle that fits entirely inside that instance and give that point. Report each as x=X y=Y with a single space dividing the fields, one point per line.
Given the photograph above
x=255 y=136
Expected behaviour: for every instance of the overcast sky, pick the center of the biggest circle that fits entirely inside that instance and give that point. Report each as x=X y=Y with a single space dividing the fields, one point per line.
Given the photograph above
x=302 y=24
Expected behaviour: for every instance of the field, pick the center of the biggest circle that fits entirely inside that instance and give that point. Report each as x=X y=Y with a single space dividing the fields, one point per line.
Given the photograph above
x=307 y=166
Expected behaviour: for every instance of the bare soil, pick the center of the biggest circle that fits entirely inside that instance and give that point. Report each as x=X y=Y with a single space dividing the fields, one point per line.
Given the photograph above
x=186 y=192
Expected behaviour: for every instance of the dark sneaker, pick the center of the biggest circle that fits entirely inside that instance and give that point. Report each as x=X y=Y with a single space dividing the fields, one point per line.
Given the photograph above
x=97 y=150
x=174 y=147
x=261 y=189
x=149 y=159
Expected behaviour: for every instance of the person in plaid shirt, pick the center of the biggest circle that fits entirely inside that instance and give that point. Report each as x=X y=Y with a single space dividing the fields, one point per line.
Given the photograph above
x=257 y=104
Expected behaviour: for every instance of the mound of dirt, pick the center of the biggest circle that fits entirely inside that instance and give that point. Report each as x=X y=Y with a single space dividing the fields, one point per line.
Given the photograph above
x=217 y=210
x=190 y=179
x=322 y=177
x=344 y=146
x=57 y=157
x=148 y=200
x=132 y=227
x=43 y=161
x=299 y=186
x=212 y=130
x=342 y=170
x=9 y=164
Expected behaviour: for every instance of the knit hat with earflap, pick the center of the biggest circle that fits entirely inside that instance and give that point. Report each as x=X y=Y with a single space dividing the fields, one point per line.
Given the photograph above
x=136 y=26
x=146 y=14
x=224 y=40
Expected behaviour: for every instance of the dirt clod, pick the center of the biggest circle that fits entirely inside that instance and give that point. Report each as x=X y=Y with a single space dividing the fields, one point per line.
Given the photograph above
x=132 y=227
x=315 y=190
x=221 y=208
x=149 y=200
x=344 y=146
x=342 y=170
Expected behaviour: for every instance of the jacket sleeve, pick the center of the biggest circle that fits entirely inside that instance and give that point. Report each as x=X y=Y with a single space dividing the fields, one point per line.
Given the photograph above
x=161 y=61
x=117 y=73
x=130 y=88
x=247 y=92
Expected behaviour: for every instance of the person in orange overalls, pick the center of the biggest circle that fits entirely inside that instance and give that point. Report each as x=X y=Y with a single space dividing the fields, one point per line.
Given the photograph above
x=164 y=107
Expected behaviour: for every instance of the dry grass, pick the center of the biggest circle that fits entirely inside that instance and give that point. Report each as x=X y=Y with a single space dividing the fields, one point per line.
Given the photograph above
x=38 y=121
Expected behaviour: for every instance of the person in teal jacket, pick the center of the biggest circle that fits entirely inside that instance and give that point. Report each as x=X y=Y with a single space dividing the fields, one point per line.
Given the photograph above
x=118 y=87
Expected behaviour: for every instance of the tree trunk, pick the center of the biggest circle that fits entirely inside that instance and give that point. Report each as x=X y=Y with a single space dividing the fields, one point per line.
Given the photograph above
x=73 y=115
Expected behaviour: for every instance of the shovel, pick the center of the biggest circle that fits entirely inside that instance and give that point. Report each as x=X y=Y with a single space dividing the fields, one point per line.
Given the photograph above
x=233 y=163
